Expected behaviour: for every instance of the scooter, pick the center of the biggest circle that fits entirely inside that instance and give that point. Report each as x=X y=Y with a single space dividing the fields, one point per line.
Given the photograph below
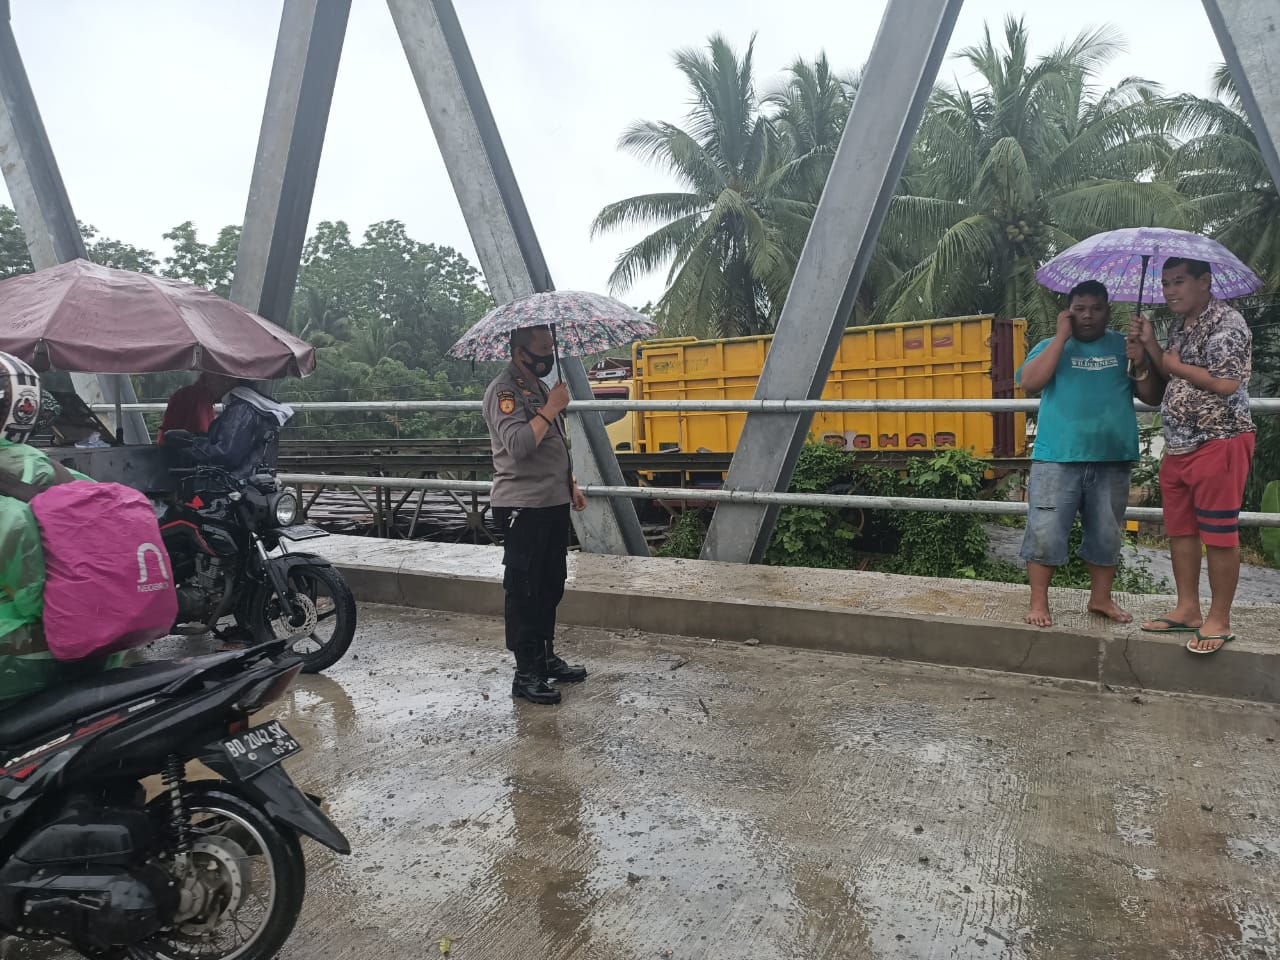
x=209 y=868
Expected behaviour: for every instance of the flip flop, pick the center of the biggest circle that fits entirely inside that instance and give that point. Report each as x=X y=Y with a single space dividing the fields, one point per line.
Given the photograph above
x=1224 y=637
x=1173 y=626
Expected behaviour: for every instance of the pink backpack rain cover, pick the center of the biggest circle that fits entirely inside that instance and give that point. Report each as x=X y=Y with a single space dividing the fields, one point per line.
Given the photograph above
x=108 y=586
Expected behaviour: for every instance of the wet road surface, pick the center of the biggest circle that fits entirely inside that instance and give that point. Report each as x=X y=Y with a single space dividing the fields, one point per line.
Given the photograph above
x=705 y=800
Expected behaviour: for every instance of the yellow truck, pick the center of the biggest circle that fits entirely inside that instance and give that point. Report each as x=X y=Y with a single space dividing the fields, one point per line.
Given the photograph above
x=954 y=358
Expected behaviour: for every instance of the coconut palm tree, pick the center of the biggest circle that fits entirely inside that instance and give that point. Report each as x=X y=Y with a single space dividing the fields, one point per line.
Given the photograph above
x=732 y=233
x=812 y=104
x=375 y=339
x=317 y=317
x=1221 y=168
x=1012 y=172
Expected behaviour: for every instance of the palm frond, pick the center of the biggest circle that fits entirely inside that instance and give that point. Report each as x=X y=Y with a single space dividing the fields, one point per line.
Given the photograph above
x=653 y=251
x=1105 y=204
x=645 y=209
x=666 y=145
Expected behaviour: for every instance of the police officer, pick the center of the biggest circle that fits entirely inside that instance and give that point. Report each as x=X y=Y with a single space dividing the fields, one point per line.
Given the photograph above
x=533 y=489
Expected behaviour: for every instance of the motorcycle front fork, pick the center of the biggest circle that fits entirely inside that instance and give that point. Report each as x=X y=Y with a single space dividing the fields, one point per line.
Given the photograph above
x=278 y=580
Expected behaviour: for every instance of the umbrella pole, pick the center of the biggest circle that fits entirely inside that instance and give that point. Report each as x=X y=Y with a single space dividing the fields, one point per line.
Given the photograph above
x=119 y=424
x=1142 y=286
x=555 y=351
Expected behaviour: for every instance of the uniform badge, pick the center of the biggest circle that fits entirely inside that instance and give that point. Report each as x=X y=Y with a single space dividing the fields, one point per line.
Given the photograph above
x=507 y=402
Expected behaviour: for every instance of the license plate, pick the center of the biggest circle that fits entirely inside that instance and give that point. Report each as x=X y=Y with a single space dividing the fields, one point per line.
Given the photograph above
x=302 y=532
x=256 y=750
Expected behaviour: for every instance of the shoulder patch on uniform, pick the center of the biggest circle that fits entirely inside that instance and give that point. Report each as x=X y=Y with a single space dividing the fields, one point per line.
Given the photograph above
x=507 y=401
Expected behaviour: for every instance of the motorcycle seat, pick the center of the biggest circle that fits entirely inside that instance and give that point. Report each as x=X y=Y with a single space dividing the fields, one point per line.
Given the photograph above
x=63 y=704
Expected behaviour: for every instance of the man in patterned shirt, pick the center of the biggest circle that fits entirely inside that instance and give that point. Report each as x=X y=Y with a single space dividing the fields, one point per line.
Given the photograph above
x=1209 y=439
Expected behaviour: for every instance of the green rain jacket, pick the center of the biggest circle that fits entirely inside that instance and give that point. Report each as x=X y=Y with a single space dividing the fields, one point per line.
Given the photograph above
x=26 y=666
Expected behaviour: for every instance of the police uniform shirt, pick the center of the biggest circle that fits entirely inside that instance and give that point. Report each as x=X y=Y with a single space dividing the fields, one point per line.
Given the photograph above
x=525 y=473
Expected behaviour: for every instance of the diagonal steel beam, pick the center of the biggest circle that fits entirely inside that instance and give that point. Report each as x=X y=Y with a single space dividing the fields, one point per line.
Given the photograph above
x=503 y=233
x=299 y=93
x=895 y=86
x=1249 y=34
x=43 y=207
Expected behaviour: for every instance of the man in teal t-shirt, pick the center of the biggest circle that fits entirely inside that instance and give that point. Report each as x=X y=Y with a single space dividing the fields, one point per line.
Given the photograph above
x=1086 y=443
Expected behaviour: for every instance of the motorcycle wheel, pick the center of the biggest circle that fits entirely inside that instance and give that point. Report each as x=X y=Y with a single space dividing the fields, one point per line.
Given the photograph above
x=260 y=882
x=323 y=633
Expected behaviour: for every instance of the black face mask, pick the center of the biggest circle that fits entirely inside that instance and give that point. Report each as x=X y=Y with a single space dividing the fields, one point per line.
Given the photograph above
x=541 y=363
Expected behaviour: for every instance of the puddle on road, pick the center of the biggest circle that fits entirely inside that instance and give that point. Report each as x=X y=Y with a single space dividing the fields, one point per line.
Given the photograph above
x=933 y=873
x=1254 y=849
x=1136 y=808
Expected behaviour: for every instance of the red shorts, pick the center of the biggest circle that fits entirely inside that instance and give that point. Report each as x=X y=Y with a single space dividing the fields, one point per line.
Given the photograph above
x=1203 y=490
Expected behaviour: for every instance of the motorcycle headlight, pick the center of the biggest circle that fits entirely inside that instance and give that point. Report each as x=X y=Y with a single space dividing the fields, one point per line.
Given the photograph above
x=286 y=509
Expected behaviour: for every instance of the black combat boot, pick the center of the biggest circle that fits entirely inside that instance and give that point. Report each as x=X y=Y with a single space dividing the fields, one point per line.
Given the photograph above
x=534 y=688
x=562 y=672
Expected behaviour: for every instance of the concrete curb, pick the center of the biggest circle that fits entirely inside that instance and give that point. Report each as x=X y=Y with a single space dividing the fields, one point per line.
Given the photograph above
x=1240 y=671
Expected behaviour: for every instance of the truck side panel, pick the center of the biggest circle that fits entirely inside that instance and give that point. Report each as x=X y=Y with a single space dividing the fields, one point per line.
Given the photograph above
x=956 y=358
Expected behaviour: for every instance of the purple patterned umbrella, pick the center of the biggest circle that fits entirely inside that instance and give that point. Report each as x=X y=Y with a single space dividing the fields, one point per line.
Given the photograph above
x=584 y=324
x=1129 y=261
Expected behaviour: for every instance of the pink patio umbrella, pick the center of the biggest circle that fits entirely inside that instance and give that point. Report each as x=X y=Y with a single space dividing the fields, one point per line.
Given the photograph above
x=85 y=318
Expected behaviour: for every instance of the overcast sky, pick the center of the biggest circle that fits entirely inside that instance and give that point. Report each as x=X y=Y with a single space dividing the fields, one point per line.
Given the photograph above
x=154 y=106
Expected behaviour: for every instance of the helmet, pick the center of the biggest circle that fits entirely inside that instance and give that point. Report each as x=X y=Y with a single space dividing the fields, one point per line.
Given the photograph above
x=19 y=399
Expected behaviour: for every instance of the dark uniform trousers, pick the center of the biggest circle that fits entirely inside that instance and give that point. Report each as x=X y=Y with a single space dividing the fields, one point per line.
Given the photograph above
x=534 y=553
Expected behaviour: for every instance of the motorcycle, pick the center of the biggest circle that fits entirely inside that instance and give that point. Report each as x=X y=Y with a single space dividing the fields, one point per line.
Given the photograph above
x=211 y=869
x=222 y=533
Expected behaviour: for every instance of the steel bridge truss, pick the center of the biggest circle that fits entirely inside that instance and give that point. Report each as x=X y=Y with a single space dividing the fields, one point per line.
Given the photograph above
x=900 y=73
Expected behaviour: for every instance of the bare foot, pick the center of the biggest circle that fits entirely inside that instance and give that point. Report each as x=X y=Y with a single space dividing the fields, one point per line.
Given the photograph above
x=1111 y=610
x=1188 y=618
x=1038 y=616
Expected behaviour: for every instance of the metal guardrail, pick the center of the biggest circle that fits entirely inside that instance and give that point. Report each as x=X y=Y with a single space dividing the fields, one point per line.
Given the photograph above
x=1257 y=405
x=824 y=500
x=701 y=495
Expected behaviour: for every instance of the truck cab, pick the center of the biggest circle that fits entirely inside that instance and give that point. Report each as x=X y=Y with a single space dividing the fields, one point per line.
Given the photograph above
x=611 y=380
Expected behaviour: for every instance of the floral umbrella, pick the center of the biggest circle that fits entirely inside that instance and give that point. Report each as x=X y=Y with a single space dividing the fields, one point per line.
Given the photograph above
x=583 y=324
x=1129 y=261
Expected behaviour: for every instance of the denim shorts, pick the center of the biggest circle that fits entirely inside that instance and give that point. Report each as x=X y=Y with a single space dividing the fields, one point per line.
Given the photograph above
x=1057 y=493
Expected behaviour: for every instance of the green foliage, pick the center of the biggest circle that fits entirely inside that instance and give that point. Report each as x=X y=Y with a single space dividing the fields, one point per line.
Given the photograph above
x=211 y=266
x=338 y=377
x=815 y=536
x=381 y=312
x=1270 y=536
x=684 y=539
x=1133 y=573
x=1219 y=164
x=15 y=259
x=1017 y=167
x=1007 y=170
x=117 y=253
x=1146 y=473
x=732 y=231
x=940 y=544
x=1263 y=476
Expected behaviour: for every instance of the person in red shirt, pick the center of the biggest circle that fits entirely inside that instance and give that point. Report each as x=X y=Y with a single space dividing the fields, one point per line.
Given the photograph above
x=191 y=407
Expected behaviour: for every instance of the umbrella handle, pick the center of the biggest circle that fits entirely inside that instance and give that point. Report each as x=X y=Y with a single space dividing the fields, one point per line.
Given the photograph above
x=1142 y=286
x=555 y=352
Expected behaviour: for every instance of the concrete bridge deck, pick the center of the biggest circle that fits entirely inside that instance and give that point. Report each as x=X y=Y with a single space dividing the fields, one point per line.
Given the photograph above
x=955 y=622
x=720 y=801
x=765 y=804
